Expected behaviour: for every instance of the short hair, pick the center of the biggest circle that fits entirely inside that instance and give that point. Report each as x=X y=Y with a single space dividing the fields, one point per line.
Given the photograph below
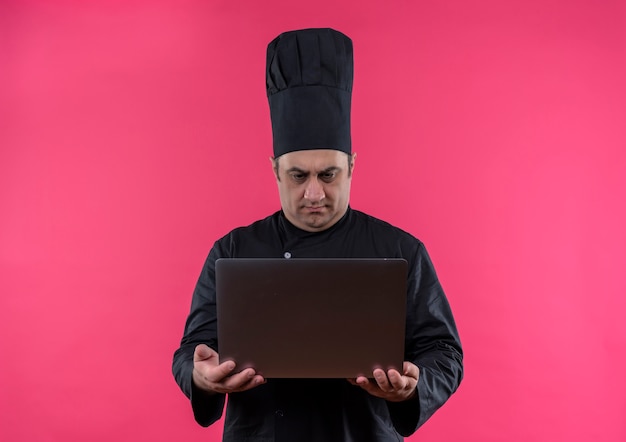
x=348 y=155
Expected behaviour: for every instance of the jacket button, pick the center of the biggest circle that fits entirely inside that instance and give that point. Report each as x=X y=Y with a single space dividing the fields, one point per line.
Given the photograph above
x=287 y=255
x=279 y=413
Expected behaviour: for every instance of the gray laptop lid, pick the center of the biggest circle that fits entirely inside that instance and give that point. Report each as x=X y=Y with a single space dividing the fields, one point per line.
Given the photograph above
x=311 y=318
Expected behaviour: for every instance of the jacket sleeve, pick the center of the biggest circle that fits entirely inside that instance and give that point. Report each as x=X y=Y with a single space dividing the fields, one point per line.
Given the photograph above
x=200 y=328
x=432 y=343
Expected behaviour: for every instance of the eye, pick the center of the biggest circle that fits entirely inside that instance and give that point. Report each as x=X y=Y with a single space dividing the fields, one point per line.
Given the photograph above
x=298 y=177
x=328 y=176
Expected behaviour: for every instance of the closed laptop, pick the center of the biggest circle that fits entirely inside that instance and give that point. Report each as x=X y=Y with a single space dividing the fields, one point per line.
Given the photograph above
x=311 y=318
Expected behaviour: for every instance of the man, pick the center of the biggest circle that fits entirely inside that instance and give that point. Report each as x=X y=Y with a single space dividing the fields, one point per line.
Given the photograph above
x=309 y=85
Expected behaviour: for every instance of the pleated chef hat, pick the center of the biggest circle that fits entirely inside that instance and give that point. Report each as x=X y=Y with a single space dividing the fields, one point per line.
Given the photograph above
x=309 y=76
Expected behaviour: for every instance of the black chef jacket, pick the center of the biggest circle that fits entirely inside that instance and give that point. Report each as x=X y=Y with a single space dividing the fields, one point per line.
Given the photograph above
x=327 y=410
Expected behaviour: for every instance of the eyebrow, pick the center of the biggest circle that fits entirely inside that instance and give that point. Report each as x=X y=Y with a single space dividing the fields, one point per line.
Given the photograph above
x=306 y=172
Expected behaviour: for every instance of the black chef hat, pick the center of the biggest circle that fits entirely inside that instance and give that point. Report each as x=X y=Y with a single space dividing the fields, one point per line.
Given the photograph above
x=309 y=87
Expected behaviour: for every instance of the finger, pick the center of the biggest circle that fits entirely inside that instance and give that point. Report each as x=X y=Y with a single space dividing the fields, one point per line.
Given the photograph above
x=361 y=380
x=238 y=379
x=381 y=379
x=357 y=381
x=370 y=387
x=219 y=372
x=206 y=362
x=211 y=375
x=396 y=380
x=254 y=382
x=242 y=381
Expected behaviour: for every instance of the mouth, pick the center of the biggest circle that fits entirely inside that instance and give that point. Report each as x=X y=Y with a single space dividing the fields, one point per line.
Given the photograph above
x=314 y=209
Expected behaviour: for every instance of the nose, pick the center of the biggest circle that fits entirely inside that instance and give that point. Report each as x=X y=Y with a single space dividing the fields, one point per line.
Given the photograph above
x=314 y=191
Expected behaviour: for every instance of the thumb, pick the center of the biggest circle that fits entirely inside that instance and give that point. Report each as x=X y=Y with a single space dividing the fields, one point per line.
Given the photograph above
x=203 y=352
x=411 y=370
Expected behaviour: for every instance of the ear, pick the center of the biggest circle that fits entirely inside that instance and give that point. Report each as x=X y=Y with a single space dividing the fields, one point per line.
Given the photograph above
x=274 y=163
x=352 y=162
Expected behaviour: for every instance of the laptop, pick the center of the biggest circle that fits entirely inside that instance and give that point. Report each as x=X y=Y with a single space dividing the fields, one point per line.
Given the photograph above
x=311 y=318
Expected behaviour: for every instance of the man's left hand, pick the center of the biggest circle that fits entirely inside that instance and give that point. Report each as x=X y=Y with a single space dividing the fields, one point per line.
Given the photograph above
x=391 y=386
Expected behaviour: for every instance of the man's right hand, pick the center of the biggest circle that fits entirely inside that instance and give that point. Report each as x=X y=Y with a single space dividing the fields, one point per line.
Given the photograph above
x=212 y=377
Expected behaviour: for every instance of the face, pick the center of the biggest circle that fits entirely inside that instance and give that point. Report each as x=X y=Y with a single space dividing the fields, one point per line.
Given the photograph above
x=314 y=187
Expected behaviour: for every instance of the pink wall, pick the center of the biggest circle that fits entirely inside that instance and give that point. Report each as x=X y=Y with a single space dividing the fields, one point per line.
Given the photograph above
x=133 y=134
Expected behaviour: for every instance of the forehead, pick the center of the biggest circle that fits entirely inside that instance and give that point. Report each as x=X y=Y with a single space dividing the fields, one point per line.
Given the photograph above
x=317 y=159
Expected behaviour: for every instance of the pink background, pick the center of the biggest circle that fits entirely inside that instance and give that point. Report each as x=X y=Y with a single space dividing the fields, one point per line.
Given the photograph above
x=134 y=134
